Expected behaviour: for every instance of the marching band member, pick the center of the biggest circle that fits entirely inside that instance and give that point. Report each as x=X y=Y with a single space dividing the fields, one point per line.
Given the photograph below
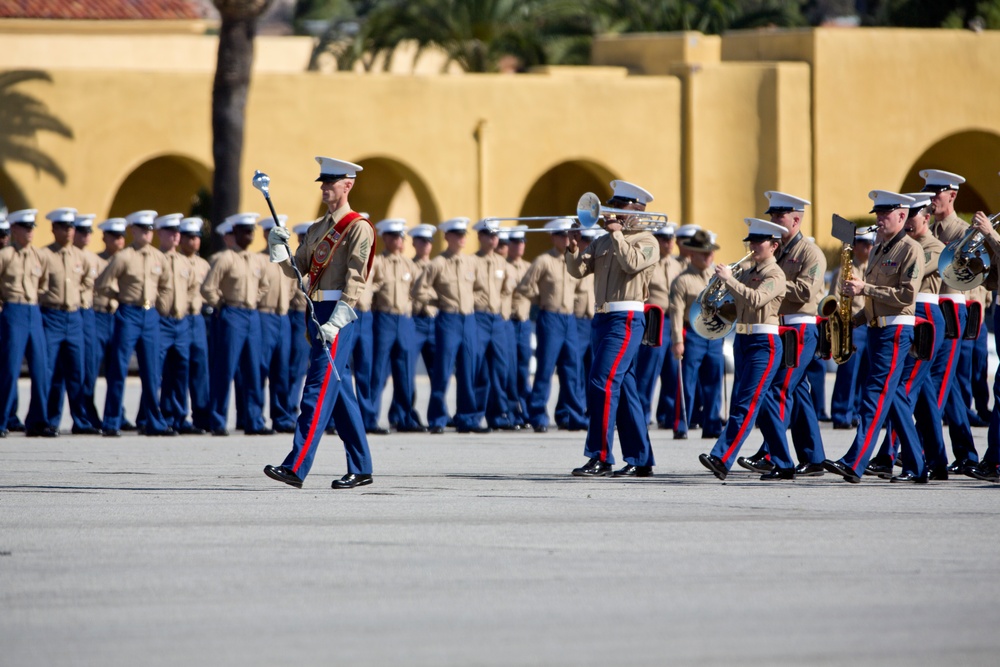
x=757 y=293
x=337 y=254
x=519 y=377
x=447 y=284
x=621 y=263
x=846 y=392
x=890 y=286
x=804 y=267
x=989 y=468
x=198 y=366
x=394 y=277
x=684 y=234
x=550 y=285
x=948 y=227
x=700 y=359
x=276 y=339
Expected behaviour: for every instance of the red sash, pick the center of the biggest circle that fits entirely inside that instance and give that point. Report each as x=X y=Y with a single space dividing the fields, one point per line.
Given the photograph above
x=324 y=251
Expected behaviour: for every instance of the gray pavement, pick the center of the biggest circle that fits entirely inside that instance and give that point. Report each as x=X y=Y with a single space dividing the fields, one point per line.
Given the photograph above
x=479 y=550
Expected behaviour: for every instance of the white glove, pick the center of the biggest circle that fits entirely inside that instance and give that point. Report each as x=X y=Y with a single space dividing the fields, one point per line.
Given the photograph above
x=277 y=244
x=342 y=316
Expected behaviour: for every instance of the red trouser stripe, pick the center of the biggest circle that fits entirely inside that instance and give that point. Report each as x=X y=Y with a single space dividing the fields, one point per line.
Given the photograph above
x=607 y=387
x=753 y=403
x=946 y=379
x=881 y=397
x=680 y=387
x=307 y=445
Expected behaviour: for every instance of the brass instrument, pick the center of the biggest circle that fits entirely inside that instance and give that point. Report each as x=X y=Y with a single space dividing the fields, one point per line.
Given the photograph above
x=839 y=330
x=964 y=263
x=713 y=314
x=589 y=212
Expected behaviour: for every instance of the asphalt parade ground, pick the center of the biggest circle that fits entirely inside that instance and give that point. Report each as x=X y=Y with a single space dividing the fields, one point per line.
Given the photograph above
x=479 y=550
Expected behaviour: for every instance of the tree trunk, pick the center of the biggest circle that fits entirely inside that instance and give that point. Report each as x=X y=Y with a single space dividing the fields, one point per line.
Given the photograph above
x=229 y=99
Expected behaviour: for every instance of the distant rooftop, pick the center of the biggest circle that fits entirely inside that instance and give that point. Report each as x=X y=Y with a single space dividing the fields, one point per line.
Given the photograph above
x=106 y=10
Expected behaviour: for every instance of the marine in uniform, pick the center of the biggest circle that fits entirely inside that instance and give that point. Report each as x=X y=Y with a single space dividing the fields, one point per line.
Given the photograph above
x=519 y=375
x=583 y=313
x=393 y=284
x=989 y=468
x=683 y=234
x=973 y=363
x=336 y=256
x=890 y=285
x=299 y=348
x=362 y=359
x=657 y=362
x=113 y=233
x=62 y=297
x=621 y=263
x=757 y=292
x=947 y=227
x=4 y=231
x=276 y=338
x=23 y=273
x=137 y=277
x=233 y=287
x=846 y=390
x=550 y=285
x=447 y=284
x=804 y=267
x=198 y=364
x=700 y=359
x=423 y=313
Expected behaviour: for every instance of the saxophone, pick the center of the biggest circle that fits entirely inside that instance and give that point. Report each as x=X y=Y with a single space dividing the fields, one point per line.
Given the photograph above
x=840 y=332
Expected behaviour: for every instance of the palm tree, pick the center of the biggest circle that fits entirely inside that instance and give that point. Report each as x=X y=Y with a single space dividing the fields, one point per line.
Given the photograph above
x=229 y=98
x=22 y=117
x=707 y=16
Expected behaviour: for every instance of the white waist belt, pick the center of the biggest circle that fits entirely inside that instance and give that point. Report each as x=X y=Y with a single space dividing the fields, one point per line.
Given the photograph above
x=621 y=306
x=957 y=298
x=792 y=320
x=321 y=295
x=770 y=329
x=923 y=297
x=894 y=320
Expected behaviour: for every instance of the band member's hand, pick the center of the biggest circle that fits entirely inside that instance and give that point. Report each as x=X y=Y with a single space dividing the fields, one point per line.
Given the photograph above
x=613 y=226
x=678 y=350
x=981 y=223
x=852 y=287
x=573 y=243
x=277 y=244
x=723 y=271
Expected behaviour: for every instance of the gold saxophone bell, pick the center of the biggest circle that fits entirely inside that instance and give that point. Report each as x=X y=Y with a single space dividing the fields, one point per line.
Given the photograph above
x=839 y=333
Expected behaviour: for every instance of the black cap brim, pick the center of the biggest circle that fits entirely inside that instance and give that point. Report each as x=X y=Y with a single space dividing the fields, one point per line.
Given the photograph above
x=772 y=210
x=331 y=178
x=883 y=209
x=754 y=238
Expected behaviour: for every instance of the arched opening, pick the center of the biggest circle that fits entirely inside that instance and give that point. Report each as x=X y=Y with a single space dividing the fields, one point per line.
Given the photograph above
x=166 y=184
x=557 y=191
x=11 y=196
x=971 y=154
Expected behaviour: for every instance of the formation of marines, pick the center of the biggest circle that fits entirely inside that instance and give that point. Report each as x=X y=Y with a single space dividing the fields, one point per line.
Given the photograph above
x=239 y=324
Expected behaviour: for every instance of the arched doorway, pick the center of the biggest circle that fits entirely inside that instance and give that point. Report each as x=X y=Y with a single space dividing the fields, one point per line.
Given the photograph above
x=166 y=184
x=388 y=188
x=971 y=154
x=557 y=191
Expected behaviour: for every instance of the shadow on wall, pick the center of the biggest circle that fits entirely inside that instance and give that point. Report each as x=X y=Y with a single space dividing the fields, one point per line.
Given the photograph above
x=22 y=117
x=971 y=154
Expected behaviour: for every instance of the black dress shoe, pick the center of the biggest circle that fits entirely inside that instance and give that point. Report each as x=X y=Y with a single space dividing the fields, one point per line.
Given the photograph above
x=284 y=429
x=436 y=430
x=260 y=431
x=127 y=425
x=88 y=430
x=778 y=473
x=634 y=471
x=482 y=430
x=809 y=470
x=378 y=430
x=938 y=473
x=910 y=477
x=188 y=429
x=879 y=469
x=221 y=432
x=983 y=472
x=595 y=467
x=283 y=474
x=419 y=428
x=680 y=436
x=42 y=432
x=754 y=464
x=715 y=464
x=111 y=433
x=842 y=426
x=3 y=433
x=351 y=480
x=838 y=468
x=710 y=436
x=509 y=427
x=16 y=427
x=331 y=431
x=959 y=467
x=167 y=432
x=540 y=428
x=823 y=418
x=977 y=422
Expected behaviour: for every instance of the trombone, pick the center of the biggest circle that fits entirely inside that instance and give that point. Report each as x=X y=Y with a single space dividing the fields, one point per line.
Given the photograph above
x=589 y=212
x=525 y=228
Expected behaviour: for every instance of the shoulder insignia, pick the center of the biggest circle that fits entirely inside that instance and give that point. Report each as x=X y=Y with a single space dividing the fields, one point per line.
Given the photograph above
x=813 y=270
x=647 y=252
x=911 y=271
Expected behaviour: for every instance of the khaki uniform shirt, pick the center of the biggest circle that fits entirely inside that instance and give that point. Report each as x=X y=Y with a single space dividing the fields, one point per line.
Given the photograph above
x=804 y=266
x=200 y=268
x=858 y=301
x=664 y=274
x=137 y=277
x=893 y=275
x=68 y=278
x=22 y=272
x=298 y=300
x=447 y=283
x=421 y=309
x=103 y=304
x=549 y=283
x=583 y=300
x=948 y=230
x=930 y=282
x=684 y=292
x=758 y=293
x=185 y=283
x=237 y=279
x=94 y=267
x=278 y=297
x=520 y=306
x=347 y=268
x=493 y=283
x=394 y=278
x=621 y=263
